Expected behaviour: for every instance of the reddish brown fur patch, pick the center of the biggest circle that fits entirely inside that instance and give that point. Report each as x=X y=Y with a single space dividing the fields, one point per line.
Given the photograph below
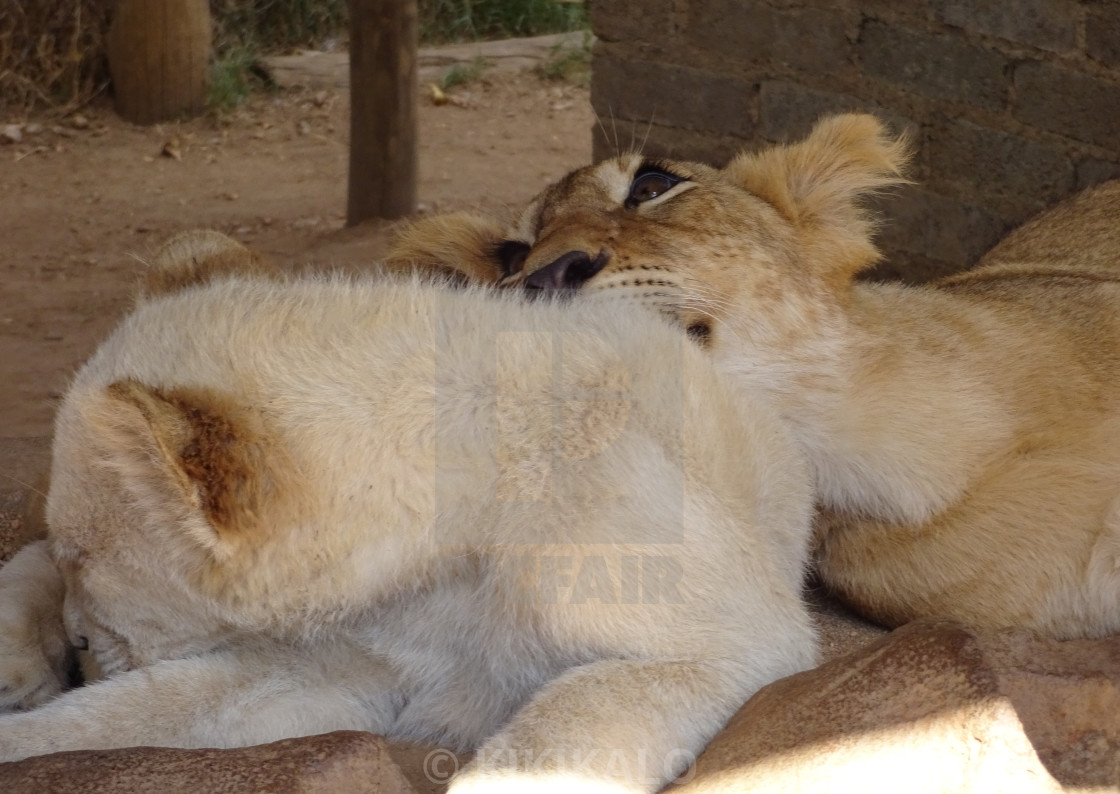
x=212 y=446
x=220 y=460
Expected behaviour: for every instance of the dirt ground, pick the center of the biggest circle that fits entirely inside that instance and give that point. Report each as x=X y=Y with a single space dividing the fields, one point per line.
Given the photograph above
x=84 y=199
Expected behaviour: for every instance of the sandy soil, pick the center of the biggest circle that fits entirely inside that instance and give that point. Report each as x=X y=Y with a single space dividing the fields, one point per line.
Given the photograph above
x=82 y=200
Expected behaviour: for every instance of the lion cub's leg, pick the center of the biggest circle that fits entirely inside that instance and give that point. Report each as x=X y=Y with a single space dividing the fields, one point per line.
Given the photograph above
x=976 y=563
x=35 y=656
x=231 y=698
x=609 y=726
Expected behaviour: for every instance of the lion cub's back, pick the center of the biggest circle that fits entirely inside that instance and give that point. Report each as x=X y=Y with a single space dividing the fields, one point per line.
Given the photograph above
x=475 y=391
x=1080 y=234
x=232 y=330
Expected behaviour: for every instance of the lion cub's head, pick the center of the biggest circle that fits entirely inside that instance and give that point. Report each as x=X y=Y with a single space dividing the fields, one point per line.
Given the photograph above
x=696 y=243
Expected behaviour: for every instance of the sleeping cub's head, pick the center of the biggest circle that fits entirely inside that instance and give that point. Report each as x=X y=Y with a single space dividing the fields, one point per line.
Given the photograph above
x=155 y=495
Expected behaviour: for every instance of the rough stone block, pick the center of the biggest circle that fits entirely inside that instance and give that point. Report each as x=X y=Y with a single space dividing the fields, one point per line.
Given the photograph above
x=936 y=66
x=1046 y=24
x=987 y=164
x=893 y=11
x=1102 y=35
x=1068 y=102
x=813 y=40
x=655 y=140
x=654 y=24
x=673 y=95
x=932 y=708
x=1092 y=172
x=787 y=111
x=938 y=228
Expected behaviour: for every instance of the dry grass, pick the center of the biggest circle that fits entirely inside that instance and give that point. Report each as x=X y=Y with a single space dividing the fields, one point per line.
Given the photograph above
x=52 y=52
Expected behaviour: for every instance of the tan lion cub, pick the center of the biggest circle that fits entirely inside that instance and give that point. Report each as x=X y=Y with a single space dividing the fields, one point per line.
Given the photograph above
x=546 y=532
x=965 y=436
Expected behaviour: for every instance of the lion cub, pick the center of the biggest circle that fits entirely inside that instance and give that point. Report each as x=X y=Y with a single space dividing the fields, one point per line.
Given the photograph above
x=964 y=436
x=545 y=532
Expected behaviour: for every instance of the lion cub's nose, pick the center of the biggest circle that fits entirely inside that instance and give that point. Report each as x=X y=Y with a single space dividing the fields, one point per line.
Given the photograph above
x=570 y=271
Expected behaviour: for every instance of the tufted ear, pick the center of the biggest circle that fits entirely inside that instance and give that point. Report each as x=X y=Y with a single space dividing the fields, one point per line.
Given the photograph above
x=819 y=185
x=460 y=243
x=184 y=452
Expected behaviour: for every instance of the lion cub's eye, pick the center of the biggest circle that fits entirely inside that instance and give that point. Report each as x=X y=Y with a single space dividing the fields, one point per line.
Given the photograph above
x=649 y=183
x=511 y=256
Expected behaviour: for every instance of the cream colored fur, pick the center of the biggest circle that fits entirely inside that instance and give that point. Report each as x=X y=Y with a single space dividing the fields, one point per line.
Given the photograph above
x=549 y=533
x=964 y=436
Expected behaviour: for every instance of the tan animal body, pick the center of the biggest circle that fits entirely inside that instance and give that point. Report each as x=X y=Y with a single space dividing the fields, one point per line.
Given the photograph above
x=545 y=532
x=964 y=436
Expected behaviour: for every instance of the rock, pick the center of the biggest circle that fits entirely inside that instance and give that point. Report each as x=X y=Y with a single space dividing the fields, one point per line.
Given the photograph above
x=427 y=768
x=437 y=94
x=173 y=148
x=11 y=133
x=932 y=707
x=343 y=762
x=841 y=630
x=321 y=70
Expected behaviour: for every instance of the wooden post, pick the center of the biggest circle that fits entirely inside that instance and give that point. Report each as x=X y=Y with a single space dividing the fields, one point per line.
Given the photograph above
x=159 y=58
x=383 y=95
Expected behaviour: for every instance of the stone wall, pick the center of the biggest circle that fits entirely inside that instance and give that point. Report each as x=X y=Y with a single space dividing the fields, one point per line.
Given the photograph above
x=1011 y=104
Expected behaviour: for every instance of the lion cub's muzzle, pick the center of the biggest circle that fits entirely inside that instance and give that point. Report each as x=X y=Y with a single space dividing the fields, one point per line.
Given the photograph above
x=568 y=272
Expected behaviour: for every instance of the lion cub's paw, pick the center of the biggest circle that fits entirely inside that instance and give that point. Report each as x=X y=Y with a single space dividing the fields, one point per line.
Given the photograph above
x=35 y=655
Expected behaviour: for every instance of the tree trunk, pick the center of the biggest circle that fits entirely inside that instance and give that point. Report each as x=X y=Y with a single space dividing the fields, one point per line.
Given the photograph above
x=383 y=91
x=159 y=58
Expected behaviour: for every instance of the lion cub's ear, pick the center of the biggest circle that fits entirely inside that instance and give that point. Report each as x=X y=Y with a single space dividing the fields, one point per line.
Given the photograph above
x=462 y=244
x=819 y=184
x=193 y=449
x=197 y=257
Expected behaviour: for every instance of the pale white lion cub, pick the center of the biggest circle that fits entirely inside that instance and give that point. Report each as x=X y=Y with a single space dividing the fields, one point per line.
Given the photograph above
x=547 y=532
